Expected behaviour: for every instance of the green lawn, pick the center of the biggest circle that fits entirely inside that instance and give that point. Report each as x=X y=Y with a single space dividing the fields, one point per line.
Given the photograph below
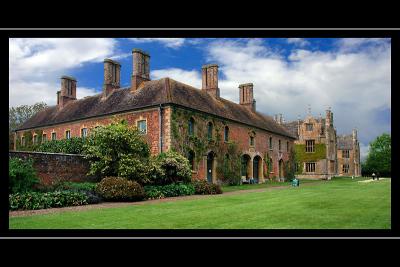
x=267 y=184
x=341 y=203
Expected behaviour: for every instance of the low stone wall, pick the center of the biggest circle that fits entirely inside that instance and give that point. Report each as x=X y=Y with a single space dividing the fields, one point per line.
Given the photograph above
x=53 y=167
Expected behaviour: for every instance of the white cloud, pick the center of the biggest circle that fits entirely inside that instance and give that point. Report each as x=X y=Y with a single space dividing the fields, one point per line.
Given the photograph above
x=356 y=85
x=352 y=44
x=168 y=42
x=298 y=41
x=192 y=77
x=37 y=63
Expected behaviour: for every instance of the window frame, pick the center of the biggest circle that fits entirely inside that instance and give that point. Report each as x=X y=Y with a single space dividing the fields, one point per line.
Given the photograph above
x=55 y=136
x=210 y=130
x=67 y=136
x=310 y=167
x=137 y=126
x=191 y=124
x=226 y=133
x=271 y=144
x=310 y=146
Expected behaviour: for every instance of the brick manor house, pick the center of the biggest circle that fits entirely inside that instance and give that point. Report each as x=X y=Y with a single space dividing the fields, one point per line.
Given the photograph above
x=200 y=124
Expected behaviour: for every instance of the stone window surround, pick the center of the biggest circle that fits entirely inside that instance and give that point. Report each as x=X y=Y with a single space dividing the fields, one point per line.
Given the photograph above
x=66 y=131
x=141 y=118
x=55 y=135
x=310 y=145
x=80 y=131
x=312 y=166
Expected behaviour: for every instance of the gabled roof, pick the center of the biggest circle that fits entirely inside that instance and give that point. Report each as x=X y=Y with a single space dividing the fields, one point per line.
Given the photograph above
x=153 y=93
x=345 y=142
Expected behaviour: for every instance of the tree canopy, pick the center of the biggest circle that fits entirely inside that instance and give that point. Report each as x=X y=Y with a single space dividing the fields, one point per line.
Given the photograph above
x=379 y=156
x=18 y=115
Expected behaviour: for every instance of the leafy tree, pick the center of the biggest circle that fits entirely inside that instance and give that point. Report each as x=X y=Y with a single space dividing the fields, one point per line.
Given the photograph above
x=18 y=115
x=107 y=146
x=379 y=156
x=290 y=166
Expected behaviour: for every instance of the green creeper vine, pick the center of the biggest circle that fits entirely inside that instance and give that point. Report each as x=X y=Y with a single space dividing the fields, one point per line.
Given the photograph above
x=228 y=169
x=302 y=156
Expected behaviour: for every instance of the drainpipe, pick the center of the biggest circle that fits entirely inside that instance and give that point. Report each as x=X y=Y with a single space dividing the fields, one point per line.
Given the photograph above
x=160 y=126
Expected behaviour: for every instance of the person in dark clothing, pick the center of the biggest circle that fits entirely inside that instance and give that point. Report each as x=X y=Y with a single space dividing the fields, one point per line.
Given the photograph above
x=373 y=176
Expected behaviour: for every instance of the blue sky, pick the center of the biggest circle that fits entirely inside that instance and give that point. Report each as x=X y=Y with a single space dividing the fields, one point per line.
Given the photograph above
x=352 y=75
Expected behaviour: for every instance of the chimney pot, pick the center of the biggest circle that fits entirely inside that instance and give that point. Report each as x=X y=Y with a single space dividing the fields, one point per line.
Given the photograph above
x=67 y=92
x=112 y=76
x=246 y=96
x=141 y=68
x=210 y=79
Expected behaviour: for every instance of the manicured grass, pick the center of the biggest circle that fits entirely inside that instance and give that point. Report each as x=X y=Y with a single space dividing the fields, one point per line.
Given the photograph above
x=341 y=203
x=267 y=184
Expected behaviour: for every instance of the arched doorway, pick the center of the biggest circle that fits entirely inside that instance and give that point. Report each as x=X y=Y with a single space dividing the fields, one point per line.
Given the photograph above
x=257 y=169
x=281 y=174
x=211 y=166
x=246 y=167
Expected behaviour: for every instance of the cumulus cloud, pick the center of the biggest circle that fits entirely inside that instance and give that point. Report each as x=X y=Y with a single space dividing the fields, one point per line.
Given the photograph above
x=168 y=42
x=298 y=41
x=355 y=84
x=191 y=77
x=36 y=64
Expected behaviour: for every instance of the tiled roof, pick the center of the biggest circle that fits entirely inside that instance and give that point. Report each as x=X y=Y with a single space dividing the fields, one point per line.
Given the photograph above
x=153 y=93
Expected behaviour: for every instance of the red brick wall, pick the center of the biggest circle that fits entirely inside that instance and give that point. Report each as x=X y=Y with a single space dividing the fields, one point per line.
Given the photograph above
x=151 y=115
x=51 y=167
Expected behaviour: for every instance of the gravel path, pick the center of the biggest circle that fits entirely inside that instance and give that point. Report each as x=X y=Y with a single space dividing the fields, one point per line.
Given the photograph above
x=20 y=213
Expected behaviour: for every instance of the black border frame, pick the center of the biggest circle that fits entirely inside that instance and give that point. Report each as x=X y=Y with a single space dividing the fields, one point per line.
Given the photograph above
x=394 y=34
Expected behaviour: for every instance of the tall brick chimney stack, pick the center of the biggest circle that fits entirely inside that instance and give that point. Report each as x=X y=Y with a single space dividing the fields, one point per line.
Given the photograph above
x=246 y=96
x=67 y=92
x=209 y=75
x=141 y=68
x=112 y=76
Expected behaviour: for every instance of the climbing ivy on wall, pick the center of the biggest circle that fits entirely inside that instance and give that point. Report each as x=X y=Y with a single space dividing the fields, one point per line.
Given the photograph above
x=228 y=169
x=28 y=136
x=302 y=156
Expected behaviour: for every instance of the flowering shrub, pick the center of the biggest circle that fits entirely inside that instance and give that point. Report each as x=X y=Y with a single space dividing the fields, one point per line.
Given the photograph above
x=120 y=189
x=108 y=146
x=202 y=187
x=175 y=168
x=37 y=200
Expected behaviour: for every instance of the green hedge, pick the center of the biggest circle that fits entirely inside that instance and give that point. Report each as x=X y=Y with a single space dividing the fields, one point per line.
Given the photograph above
x=73 y=145
x=22 y=176
x=171 y=190
x=38 y=200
